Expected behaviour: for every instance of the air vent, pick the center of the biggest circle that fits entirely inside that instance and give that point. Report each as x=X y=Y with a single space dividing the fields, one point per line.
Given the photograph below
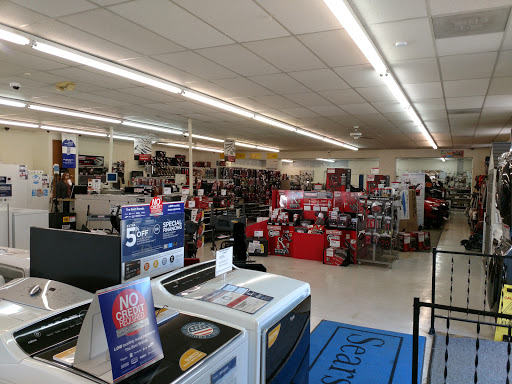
x=464 y=111
x=468 y=24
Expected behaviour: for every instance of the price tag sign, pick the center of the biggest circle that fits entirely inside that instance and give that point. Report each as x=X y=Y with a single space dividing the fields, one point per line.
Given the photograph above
x=185 y=191
x=223 y=261
x=200 y=192
x=223 y=192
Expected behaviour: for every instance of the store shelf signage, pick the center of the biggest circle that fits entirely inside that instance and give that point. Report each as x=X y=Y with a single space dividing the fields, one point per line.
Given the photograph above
x=130 y=326
x=452 y=154
x=68 y=150
x=152 y=238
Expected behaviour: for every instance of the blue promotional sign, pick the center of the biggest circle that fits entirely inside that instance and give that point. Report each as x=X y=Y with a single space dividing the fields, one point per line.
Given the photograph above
x=68 y=151
x=130 y=327
x=152 y=238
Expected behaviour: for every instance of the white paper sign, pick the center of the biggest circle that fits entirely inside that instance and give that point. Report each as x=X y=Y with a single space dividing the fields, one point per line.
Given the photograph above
x=185 y=191
x=200 y=192
x=258 y=233
x=223 y=261
x=223 y=192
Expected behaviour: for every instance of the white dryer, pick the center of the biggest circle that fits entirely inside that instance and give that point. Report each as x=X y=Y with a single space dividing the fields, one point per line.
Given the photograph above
x=278 y=329
x=40 y=318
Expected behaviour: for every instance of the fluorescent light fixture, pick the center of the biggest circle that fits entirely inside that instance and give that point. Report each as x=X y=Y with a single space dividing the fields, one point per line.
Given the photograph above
x=84 y=59
x=175 y=145
x=275 y=123
x=267 y=149
x=335 y=142
x=209 y=149
x=396 y=90
x=310 y=134
x=151 y=127
x=19 y=124
x=69 y=130
x=443 y=159
x=349 y=21
x=204 y=137
x=217 y=103
x=116 y=137
x=286 y=161
x=328 y=160
x=244 y=145
x=73 y=113
x=415 y=118
x=13 y=37
x=12 y=103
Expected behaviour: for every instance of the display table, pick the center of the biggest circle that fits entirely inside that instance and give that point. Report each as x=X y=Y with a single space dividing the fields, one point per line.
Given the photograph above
x=308 y=246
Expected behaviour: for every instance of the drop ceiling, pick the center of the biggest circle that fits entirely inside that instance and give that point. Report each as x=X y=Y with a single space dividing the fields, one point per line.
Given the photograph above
x=286 y=59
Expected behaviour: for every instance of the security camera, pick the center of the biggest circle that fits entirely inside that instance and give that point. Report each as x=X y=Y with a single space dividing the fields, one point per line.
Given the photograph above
x=15 y=86
x=6 y=128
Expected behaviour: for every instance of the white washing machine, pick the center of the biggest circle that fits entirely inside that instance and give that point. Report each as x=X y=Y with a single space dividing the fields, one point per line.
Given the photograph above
x=278 y=330
x=40 y=318
x=14 y=263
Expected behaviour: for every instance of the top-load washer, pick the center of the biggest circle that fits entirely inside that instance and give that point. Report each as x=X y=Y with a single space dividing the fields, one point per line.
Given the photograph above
x=274 y=309
x=41 y=318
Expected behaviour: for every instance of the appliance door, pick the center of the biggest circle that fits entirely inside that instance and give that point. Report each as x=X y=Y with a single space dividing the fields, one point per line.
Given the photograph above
x=285 y=347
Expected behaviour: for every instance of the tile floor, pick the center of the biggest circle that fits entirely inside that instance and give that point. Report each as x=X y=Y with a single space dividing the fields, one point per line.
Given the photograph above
x=378 y=297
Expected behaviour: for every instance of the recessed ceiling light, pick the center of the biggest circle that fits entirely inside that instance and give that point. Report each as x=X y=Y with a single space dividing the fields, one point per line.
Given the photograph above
x=401 y=44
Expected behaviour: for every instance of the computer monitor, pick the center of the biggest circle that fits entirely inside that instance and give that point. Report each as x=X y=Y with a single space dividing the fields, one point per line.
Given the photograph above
x=111 y=177
x=78 y=190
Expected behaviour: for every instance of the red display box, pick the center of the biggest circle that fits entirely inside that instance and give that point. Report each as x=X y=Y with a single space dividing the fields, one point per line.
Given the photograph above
x=291 y=199
x=273 y=233
x=338 y=179
x=308 y=246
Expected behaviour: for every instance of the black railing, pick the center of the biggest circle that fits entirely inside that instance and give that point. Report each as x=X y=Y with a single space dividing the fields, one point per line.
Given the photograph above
x=451 y=308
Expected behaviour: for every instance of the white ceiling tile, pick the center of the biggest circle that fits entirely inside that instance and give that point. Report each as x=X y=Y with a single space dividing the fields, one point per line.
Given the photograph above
x=388 y=106
x=359 y=109
x=18 y=17
x=416 y=71
x=34 y=61
x=476 y=87
x=243 y=87
x=501 y=86
x=430 y=105
x=239 y=59
x=280 y=83
x=497 y=101
x=360 y=75
x=287 y=54
x=56 y=8
x=150 y=94
x=441 y=7
x=416 y=32
x=507 y=43
x=73 y=37
x=241 y=20
x=94 y=98
x=106 y=3
x=374 y=94
x=320 y=79
x=471 y=66
x=124 y=97
x=342 y=96
x=434 y=115
x=212 y=89
x=335 y=48
x=464 y=102
x=7 y=69
x=377 y=11
x=328 y=110
x=172 y=22
x=300 y=112
x=81 y=75
x=488 y=42
x=276 y=101
x=422 y=91
x=301 y=16
x=114 y=28
x=196 y=65
x=162 y=70
x=248 y=103
x=504 y=64
x=309 y=99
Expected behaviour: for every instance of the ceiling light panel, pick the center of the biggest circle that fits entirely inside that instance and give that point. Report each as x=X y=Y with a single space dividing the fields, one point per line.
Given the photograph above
x=151 y=127
x=75 y=131
x=13 y=37
x=19 y=124
x=12 y=103
x=73 y=113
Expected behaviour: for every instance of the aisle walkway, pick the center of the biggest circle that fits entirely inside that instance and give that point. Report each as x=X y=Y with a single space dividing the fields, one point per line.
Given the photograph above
x=369 y=295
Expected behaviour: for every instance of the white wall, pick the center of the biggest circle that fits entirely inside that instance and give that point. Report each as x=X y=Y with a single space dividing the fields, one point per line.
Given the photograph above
x=431 y=164
x=358 y=167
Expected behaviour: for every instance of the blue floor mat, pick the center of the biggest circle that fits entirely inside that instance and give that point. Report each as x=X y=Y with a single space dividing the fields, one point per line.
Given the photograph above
x=343 y=353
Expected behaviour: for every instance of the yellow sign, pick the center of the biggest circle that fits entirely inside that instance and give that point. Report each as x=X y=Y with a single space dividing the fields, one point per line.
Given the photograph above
x=65 y=219
x=190 y=357
x=272 y=336
x=240 y=155
x=221 y=156
x=505 y=307
x=271 y=155
x=256 y=156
